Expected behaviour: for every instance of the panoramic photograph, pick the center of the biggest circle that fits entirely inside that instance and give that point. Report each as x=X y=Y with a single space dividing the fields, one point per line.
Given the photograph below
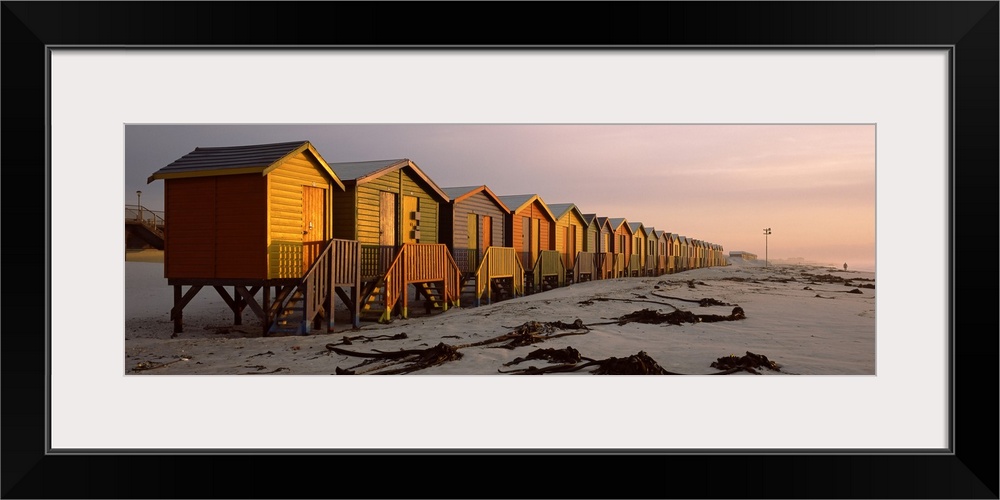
x=496 y=249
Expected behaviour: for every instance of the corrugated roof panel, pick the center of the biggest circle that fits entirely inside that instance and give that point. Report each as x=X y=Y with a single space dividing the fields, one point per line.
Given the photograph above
x=220 y=158
x=455 y=192
x=349 y=171
x=560 y=209
x=514 y=201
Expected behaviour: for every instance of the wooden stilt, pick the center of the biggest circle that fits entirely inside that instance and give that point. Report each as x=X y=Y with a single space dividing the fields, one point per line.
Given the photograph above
x=180 y=301
x=266 y=322
x=175 y=313
x=238 y=310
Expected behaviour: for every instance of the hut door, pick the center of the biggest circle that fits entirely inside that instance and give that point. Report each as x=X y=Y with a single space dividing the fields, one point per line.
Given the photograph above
x=411 y=214
x=313 y=224
x=472 y=242
x=487 y=232
x=535 y=240
x=570 y=246
x=387 y=219
x=526 y=243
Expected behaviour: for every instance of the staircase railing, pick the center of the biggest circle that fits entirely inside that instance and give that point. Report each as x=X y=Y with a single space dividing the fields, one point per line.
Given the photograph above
x=586 y=262
x=651 y=265
x=618 y=266
x=498 y=262
x=149 y=218
x=392 y=279
x=376 y=260
x=633 y=264
x=421 y=263
x=335 y=264
x=550 y=262
x=467 y=259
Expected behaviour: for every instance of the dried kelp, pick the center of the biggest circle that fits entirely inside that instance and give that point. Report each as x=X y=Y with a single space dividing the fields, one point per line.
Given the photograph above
x=151 y=365
x=749 y=363
x=413 y=359
x=649 y=316
x=636 y=364
x=705 y=302
x=417 y=359
x=366 y=339
x=824 y=278
x=566 y=355
x=533 y=332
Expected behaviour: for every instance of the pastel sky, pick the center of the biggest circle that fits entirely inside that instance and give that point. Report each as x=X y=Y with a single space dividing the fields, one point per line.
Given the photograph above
x=813 y=185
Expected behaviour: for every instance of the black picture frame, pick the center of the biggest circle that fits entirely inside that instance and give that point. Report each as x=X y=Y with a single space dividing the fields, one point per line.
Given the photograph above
x=969 y=28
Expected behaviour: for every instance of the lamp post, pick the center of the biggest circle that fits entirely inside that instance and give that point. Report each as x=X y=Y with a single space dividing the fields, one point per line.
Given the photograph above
x=767 y=231
x=138 y=200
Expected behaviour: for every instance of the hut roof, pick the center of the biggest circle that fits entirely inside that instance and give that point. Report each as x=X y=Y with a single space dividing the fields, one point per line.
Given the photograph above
x=233 y=160
x=561 y=209
x=458 y=194
x=360 y=172
x=636 y=226
x=589 y=218
x=617 y=222
x=516 y=202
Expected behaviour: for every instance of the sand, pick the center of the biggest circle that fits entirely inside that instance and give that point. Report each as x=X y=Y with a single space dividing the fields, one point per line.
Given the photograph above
x=803 y=318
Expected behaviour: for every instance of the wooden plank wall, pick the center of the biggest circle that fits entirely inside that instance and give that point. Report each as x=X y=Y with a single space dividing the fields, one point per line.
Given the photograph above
x=189 y=242
x=545 y=227
x=569 y=218
x=639 y=244
x=284 y=246
x=478 y=204
x=401 y=182
x=344 y=210
x=590 y=242
x=241 y=226
x=217 y=227
x=623 y=231
x=606 y=243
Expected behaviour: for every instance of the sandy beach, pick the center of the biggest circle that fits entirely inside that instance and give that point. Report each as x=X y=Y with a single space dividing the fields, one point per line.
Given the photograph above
x=796 y=320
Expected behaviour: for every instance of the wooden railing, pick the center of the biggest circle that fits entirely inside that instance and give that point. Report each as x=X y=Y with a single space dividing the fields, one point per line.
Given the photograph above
x=498 y=262
x=550 y=263
x=634 y=268
x=527 y=261
x=603 y=263
x=651 y=261
x=311 y=250
x=467 y=259
x=150 y=218
x=421 y=263
x=586 y=263
x=336 y=263
x=375 y=261
x=617 y=265
x=393 y=290
x=452 y=280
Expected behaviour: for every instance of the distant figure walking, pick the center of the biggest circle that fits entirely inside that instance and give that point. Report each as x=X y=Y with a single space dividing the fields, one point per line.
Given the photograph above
x=845 y=266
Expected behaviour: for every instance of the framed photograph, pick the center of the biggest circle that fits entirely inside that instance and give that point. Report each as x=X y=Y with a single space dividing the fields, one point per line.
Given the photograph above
x=916 y=82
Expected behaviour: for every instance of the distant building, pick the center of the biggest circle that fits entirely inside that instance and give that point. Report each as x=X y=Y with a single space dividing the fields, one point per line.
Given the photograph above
x=739 y=254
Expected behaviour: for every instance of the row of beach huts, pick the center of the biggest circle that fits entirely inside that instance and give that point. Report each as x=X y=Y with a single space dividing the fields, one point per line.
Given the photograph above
x=278 y=221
